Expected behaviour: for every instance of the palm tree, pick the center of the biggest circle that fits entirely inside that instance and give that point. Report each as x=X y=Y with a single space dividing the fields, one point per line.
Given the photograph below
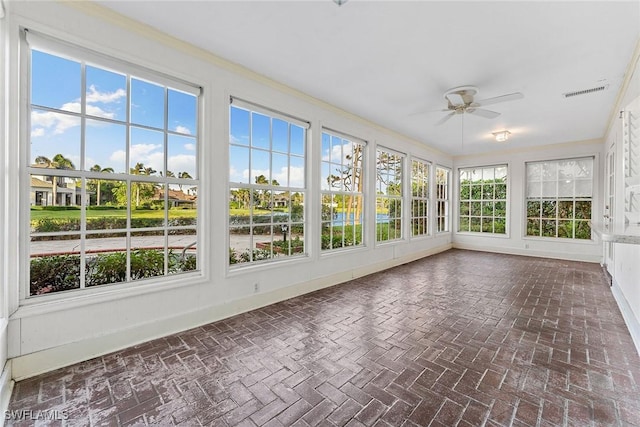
x=58 y=162
x=140 y=169
x=183 y=175
x=98 y=168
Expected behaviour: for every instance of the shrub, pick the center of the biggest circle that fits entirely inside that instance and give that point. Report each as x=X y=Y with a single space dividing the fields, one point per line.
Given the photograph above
x=54 y=273
x=60 y=273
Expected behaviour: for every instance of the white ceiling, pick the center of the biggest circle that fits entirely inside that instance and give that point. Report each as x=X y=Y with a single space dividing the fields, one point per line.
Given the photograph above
x=387 y=60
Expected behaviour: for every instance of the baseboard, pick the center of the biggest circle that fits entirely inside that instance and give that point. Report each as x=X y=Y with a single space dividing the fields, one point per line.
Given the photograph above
x=568 y=256
x=6 y=387
x=33 y=364
x=633 y=324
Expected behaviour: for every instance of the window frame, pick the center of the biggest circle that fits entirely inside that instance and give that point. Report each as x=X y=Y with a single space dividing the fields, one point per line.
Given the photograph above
x=251 y=107
x=397 y=198
x=482 y=200
x=362 y=193
x=446 y=201
x=428 y=199
x=557 y=198
x=30 y=41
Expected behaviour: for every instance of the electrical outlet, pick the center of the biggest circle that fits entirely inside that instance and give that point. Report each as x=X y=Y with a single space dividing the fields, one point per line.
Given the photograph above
x=256 y=288
x=526 y=246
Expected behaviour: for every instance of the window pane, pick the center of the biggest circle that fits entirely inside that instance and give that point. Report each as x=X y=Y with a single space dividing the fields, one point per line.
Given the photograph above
x=280 y=135
x=106 y=94
x=105 y=147
x=260 y=167
x=55 y=270
x=182 y=205
x=107 y=206
x=148 y=204
x=146 y=155
x=147 y=104
x=106 y=259
x=239 y=127
x=55 y=82
x=55 y=134
x=182 y=112
x=181 y=157
x=147 y=255
x=238 y=164
x=297 y=140
x=260 y=131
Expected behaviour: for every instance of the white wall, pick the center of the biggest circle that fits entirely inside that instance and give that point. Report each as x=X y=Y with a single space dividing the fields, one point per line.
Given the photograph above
x=626 y=257
x=5 y=372
x=49 y=332
x=515 y=241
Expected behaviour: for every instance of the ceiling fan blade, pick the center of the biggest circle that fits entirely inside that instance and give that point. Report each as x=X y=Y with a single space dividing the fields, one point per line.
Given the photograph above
x=455 y=99
x=488 y=114
x=445 y=118
x=428 y=112
x=502 y=98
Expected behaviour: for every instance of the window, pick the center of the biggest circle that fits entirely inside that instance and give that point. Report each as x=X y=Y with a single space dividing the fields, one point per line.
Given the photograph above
x=389 y=195
x=559 y=197
x=442 y=199
x=266 y=185
x=419 y=197
x=112 y=171
x=341 y=191
x=483 y=200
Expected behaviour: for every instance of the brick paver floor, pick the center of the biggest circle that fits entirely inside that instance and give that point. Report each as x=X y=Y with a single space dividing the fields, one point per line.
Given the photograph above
x=460 y=338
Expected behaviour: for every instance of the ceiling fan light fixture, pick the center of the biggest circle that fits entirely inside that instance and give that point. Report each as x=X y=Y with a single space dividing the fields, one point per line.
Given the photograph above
x=501 y=136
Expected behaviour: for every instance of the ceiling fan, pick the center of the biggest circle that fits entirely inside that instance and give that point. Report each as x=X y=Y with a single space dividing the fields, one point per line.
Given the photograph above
x=460 y=100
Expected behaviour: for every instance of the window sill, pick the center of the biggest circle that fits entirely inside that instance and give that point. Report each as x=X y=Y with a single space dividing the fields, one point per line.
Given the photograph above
x=83 y=297
x=478 y=234
x=560 y=240
x=248 y=268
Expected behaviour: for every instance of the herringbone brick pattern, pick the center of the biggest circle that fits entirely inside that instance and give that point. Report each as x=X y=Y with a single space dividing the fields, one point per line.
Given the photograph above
x=457 y=339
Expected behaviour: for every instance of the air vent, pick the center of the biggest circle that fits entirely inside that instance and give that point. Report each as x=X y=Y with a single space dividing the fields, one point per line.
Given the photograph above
x=584 y=91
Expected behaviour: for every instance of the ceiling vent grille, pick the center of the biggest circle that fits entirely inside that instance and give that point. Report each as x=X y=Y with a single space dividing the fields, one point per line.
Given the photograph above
x=584 y=91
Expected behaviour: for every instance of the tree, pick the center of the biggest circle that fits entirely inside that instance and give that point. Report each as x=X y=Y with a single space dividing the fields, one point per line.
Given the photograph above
x=58 y=162
x=264 y=196
x=142 y=191
x=183 y=175
x=97 y=182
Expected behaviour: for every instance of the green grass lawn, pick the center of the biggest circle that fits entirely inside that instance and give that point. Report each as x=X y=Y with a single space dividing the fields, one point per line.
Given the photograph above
x=37 y=214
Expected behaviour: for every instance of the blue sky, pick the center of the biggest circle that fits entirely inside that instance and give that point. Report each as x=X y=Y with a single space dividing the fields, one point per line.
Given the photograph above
x=57 y=83
x=253 y=136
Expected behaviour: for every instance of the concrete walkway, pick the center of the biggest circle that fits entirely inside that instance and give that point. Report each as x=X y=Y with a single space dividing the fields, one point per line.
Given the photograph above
x=239 y=242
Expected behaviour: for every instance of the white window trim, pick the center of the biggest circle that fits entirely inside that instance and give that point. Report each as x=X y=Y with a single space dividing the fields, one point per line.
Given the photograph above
x=232 y=270
x=594 y=196
x=448 y=199
x=507 y=200
x=365 y=223
x=37 y=304
x=430 y=224
x=402 y=197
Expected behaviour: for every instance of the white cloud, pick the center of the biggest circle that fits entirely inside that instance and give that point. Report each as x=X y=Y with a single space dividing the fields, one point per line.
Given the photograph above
x=183 y=129
x=338 y=153
x=58 y=123
x=190 y=147
x=296 y=176
x=150 y=155
x=53 y=122
x=93 y=95
x=182 y=163
x=37 y=132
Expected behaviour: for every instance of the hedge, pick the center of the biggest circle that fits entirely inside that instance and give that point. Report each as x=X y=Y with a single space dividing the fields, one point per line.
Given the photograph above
x=62 y=272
